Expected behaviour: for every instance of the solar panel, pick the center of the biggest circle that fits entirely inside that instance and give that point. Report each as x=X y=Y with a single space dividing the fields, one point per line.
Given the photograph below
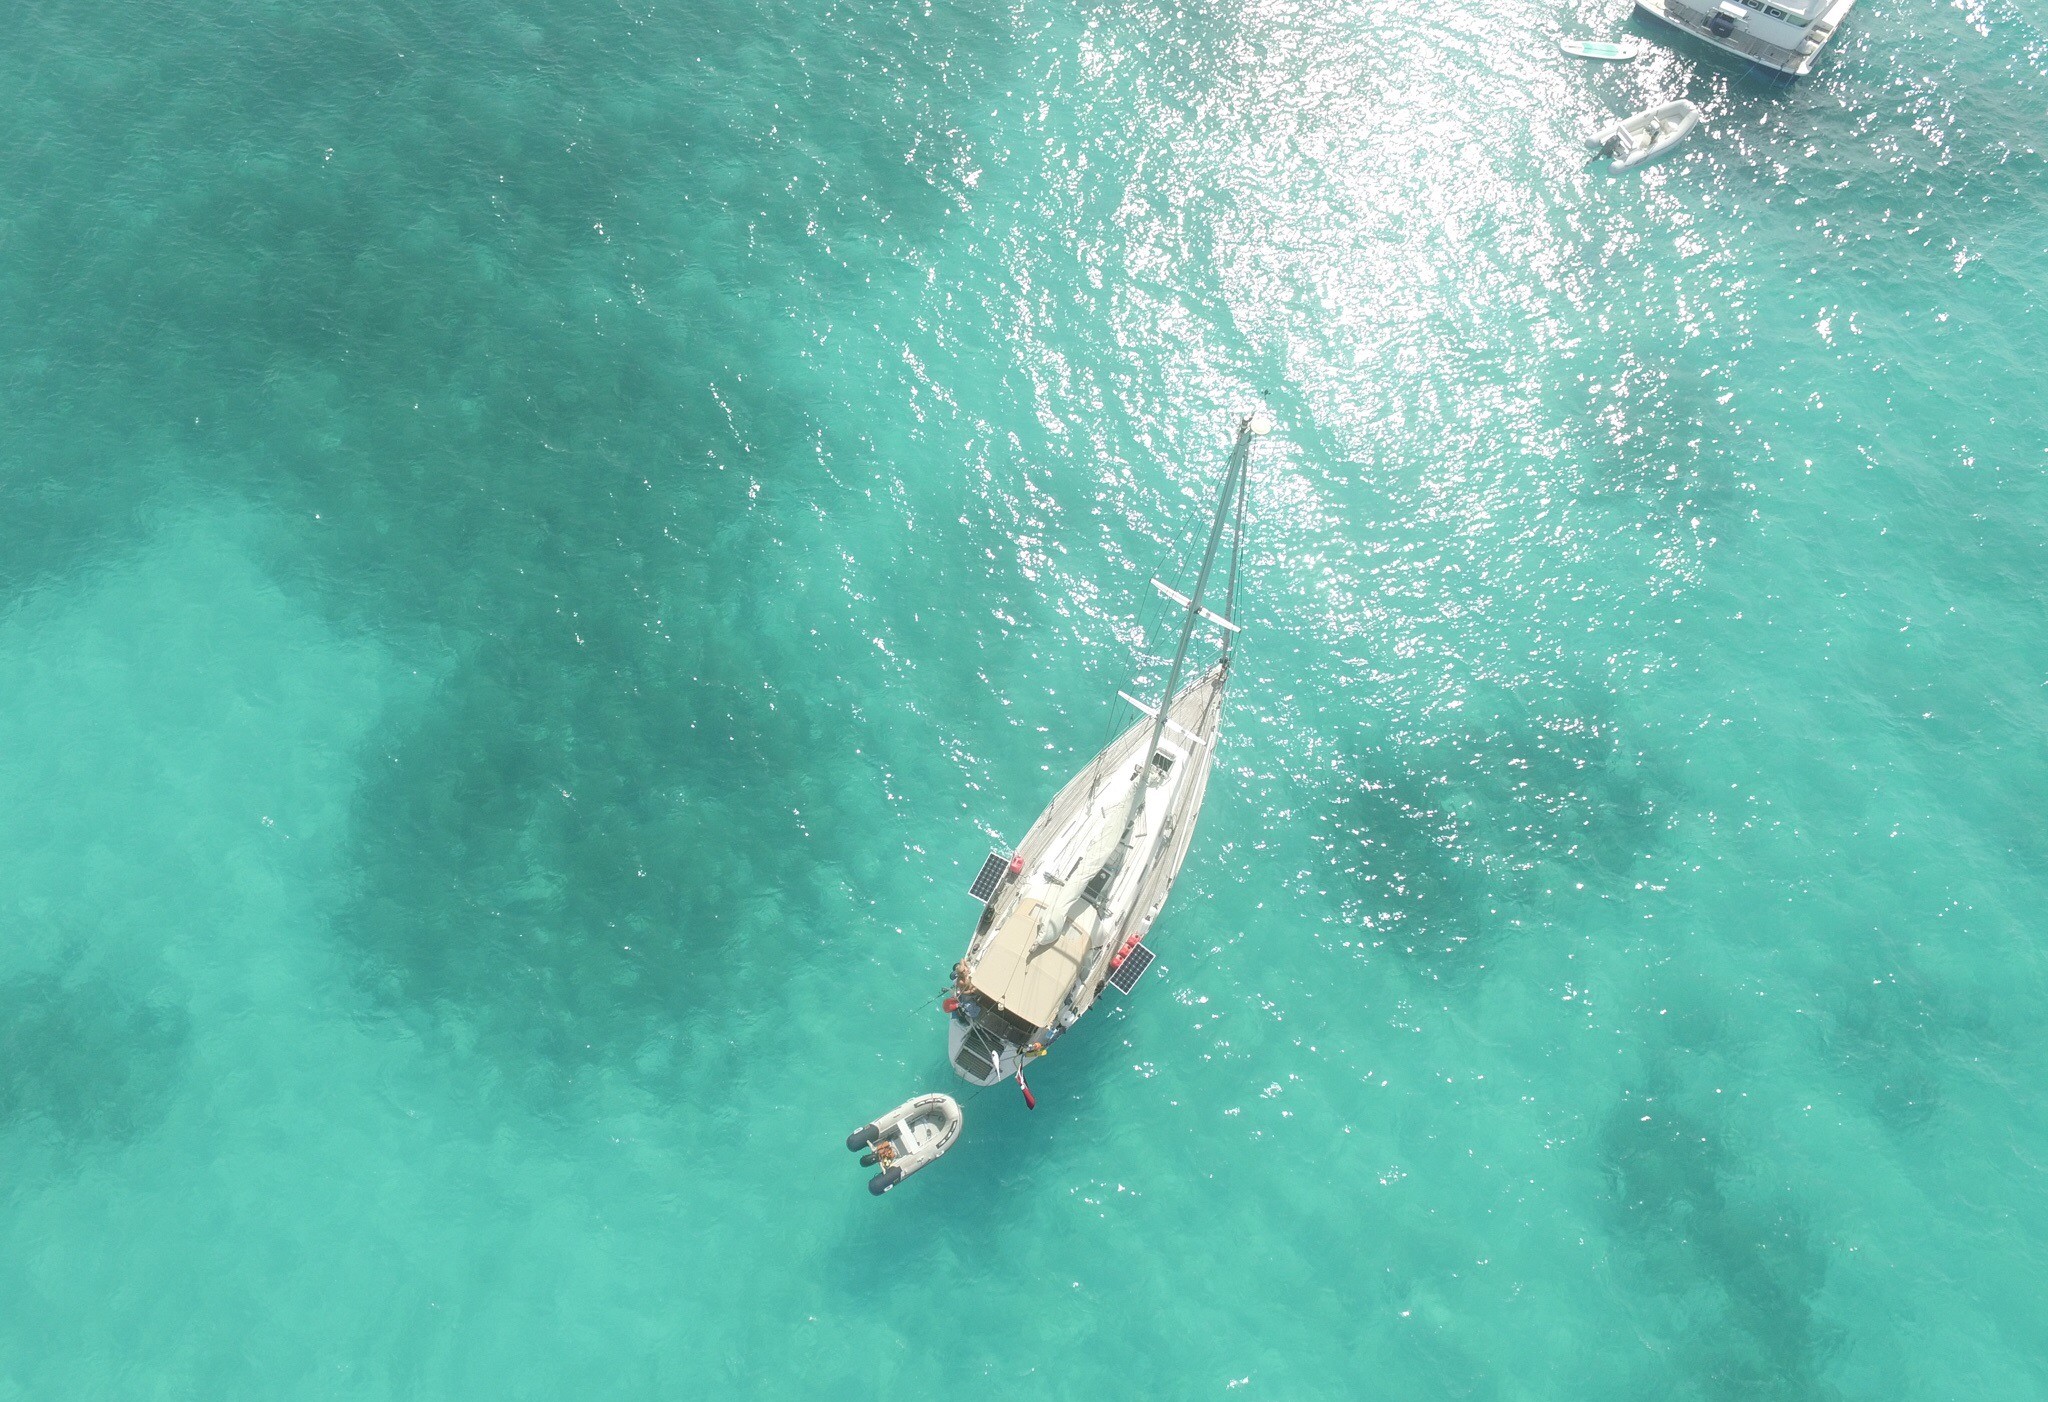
x=1125 y=976
x=989 y=878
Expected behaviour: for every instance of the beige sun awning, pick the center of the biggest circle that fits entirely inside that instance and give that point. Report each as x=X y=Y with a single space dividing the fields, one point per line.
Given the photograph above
x=1029 y=988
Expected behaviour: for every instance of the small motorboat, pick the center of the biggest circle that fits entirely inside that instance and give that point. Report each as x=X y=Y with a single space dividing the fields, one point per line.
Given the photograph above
x=1646 y=135
x=906 y=1139
x=1613 y=50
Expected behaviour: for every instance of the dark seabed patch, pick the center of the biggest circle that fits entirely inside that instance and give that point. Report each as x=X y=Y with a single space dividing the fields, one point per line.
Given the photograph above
x=1724 y=1253
x=94 y=1059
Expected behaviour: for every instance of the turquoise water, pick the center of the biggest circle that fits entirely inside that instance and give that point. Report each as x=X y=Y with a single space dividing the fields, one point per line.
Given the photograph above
x=539 y=544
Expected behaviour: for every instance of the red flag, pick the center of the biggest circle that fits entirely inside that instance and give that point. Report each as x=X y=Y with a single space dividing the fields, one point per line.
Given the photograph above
x=1029 y=1102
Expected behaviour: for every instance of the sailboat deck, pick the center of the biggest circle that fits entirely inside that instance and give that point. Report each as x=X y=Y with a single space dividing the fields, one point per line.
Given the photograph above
x=1033 y=989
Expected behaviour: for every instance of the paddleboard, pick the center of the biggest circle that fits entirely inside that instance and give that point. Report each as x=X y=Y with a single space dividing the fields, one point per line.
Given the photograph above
x=1601 y=48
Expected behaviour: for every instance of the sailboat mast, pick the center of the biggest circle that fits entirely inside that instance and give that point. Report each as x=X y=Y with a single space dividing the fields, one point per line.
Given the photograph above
x=1232 y=493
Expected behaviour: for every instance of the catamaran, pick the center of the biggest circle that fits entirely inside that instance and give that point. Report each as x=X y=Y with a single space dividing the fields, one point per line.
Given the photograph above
x=1066 y=913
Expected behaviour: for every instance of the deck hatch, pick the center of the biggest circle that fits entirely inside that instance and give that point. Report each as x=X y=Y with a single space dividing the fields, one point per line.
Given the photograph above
x=989 y=877
x=1124 y=977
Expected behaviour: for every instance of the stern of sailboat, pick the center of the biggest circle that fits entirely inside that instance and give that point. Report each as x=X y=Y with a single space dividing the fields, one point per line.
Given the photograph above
x=983 y=1042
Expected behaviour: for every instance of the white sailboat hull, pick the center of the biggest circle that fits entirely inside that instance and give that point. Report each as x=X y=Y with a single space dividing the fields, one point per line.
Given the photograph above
x=1041 y=954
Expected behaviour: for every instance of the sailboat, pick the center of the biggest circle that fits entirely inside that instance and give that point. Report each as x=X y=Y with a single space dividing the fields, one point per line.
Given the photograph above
x=1065 y=914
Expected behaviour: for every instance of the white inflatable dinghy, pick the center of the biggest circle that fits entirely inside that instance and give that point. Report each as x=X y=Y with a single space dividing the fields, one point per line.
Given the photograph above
x=1646 y=135
x=906 y=1139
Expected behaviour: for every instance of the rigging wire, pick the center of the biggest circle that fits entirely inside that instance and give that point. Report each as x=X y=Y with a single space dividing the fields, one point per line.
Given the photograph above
x=1172 y=557
x=1180 y=556
x=1232 y=485
x=1236 y=552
